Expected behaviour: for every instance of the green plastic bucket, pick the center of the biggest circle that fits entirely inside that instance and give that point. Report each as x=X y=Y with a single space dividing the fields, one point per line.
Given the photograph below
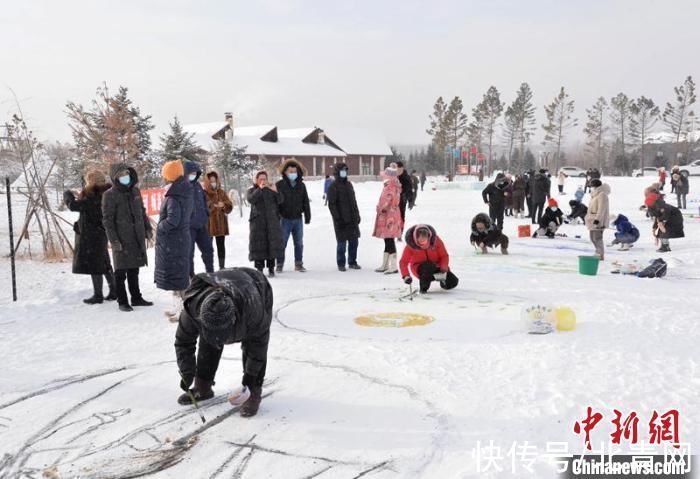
x=588 y=265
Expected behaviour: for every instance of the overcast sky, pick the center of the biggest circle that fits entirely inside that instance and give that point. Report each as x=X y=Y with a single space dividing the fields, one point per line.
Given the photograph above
x=354 y=63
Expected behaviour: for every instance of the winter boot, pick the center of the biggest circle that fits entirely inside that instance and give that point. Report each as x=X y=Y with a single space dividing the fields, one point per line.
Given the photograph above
x=201 y=391
x=125 y=308
x=354 y=266
x=385 y=264
x=625 y=247
x=94 y=299
x=251 y=406
x=391 y=266
x=665 y=248
x=222 y=261
x=504 y=249
x=112 y=295
x=280 y=267
x=484 y=249
x=341 y=267
x=299 y=267
x=140 y=302
x=271 y=272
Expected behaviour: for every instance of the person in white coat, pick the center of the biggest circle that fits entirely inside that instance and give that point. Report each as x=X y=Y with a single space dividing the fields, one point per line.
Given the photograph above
x=598 y=216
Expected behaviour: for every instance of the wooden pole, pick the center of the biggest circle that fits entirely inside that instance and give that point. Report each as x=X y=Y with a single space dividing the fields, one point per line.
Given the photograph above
x=12 y=245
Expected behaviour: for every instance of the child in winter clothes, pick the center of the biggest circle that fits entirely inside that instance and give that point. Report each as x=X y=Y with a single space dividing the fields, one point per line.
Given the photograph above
x=578 y=210
x=426 y=258
x=551 y=220
x=388 y=224
x=580 y=193
x=485 y=235
x=626 y=233
x=662 y=178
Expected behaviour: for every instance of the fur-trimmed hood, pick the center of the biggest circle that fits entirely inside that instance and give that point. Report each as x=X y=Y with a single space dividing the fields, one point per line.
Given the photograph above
x=411 y=236
x=301 y=171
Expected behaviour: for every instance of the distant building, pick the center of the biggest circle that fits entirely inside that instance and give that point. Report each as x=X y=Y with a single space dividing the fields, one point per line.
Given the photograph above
x=364 y=151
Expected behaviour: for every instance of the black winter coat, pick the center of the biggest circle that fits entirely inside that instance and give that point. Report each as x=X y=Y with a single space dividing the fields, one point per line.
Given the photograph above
x=125 y=221
x=494 y=195
x=252 y=299
x=173 y=240
x=672 y=219
x=200 y=210
x=549 y=216
x=406 y=188
x=295 y=199
x=265 y=238
x=91 y=255
x=344 y=210
x=578 y=210
x=539 y=188
x=490 y=237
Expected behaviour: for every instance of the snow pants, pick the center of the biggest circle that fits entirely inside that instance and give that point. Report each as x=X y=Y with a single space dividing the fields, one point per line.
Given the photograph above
x=426 y=275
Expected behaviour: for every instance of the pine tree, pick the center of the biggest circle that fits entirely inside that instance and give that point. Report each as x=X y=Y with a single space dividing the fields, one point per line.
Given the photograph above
x=596 y=129
x=623 y=122
x=679 y=116
x=455 y=123
x=178 y=143
x=490 y=110
x=520 y=117
x=475 y=130
x=112 y=131
x=437 y=124
x=530 y=162
x=233 y=162
x=560 y=118
x=510 y=131
x=645 y=114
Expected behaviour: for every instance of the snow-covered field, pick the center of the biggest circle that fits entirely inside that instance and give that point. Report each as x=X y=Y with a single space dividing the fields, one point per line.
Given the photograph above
x=92 y=391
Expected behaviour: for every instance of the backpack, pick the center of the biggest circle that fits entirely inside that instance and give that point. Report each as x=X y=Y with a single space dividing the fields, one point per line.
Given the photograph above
x=657 y=269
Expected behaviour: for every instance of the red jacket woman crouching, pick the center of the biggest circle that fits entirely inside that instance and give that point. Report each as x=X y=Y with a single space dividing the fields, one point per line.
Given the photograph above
x=426 y=257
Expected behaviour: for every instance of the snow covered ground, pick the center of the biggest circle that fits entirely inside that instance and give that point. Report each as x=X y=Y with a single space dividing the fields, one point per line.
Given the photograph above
x=92 y=391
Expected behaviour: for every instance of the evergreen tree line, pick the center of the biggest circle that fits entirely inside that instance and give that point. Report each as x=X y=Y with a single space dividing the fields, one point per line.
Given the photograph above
x=617 y=131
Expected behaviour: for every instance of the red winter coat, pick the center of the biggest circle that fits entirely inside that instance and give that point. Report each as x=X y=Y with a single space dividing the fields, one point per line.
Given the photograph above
x=388 y=223
x=413 y=255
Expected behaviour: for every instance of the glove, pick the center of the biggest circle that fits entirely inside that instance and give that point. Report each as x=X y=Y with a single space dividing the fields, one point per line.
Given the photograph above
x=68 y=196
x=596 y=222
x=185 y=382
x=441 y=276
x=408 y=280
x=306 y=222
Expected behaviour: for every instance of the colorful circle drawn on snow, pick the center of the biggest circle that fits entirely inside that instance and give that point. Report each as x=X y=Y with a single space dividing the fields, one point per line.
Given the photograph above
x=543 y=319
x=393 y=320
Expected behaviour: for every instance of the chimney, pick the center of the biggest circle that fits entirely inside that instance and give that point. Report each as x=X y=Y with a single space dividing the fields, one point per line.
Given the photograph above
x=228 y=116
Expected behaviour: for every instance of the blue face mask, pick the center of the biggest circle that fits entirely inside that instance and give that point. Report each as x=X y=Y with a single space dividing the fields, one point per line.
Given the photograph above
x=343 y=173
x=125 y=180
x=192 y=177
x=292 y=176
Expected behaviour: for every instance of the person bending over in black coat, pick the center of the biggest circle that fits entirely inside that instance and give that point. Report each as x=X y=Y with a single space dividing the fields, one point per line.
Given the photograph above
x=229 y=306
x=551 y=220
x=668 y=224
x=485 y=235
x=578 y=210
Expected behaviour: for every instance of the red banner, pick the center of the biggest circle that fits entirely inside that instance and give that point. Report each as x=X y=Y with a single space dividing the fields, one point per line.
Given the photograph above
x=152 y=199
x=481 y=157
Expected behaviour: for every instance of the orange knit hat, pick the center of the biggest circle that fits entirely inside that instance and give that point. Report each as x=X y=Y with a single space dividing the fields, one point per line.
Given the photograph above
x=172 y=170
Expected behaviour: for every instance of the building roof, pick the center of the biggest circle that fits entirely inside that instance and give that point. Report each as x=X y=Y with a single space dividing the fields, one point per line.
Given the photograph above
x=269 y=140
x=359 y=141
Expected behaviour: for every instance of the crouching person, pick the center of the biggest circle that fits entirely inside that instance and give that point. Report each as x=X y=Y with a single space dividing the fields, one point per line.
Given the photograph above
x=426 y=258
x=226 y=307
x=551 y=220
x=578 y=211
x=485 y=235
x=625 y=232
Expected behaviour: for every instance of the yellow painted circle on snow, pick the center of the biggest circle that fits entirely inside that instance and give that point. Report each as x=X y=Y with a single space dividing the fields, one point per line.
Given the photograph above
x=393 y=320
